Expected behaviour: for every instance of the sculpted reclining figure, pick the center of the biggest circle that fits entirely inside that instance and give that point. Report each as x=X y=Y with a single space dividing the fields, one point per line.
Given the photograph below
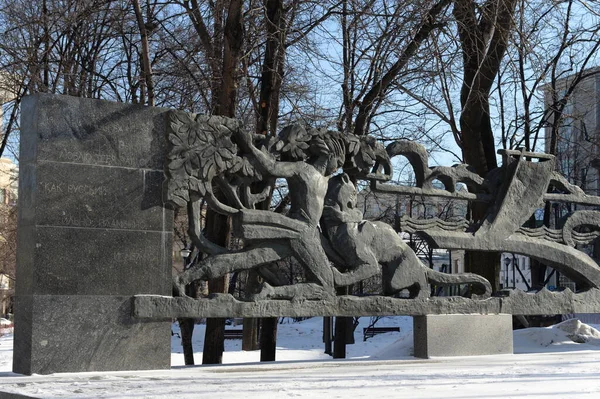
x=365 y=246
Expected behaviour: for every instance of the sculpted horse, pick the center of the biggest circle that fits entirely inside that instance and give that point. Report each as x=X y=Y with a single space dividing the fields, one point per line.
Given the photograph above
x=365 y=246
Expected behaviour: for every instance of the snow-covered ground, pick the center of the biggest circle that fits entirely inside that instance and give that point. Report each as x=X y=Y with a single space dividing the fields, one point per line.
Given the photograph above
x=303 y=341
x=558 y=362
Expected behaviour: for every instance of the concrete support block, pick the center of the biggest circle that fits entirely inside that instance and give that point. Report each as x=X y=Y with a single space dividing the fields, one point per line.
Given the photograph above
x=74 y=333
x=462 y=335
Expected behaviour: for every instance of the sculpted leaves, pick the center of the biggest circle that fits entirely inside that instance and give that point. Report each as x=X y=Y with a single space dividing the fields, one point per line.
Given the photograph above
x=200 y=149
x=296 y=141
x=245 y=168
x=202 y=146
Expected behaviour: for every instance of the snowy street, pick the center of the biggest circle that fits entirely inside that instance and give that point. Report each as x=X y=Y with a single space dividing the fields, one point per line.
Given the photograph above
x=547 y=363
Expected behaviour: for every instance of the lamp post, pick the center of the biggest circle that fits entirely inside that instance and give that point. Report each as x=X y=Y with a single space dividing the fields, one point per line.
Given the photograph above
x=507 y=262
x=185 y=253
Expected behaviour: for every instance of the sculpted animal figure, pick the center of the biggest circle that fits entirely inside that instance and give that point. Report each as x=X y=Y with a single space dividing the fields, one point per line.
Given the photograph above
x=365 y=246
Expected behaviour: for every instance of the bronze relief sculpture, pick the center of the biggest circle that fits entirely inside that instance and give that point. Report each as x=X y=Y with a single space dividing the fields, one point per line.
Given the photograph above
x=213 y=159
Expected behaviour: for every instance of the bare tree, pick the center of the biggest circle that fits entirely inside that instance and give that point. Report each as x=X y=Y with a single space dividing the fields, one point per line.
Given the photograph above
x=512 y=55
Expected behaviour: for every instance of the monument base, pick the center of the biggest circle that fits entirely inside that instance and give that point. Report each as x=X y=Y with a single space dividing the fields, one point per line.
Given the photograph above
x=81 y=333
x=462 y=335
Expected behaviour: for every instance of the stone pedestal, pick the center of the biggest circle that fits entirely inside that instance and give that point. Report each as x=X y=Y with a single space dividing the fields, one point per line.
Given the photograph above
x=462 y=335
x=92 y=233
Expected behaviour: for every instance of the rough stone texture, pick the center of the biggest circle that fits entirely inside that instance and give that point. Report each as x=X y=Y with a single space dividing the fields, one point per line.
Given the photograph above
x=10 y=395
x=155 y=307
x=462 y=335
x=113 y=262
x=88 y=333
x=96 y=196
x=73 y=130
x=92 y=232
x=208 y=150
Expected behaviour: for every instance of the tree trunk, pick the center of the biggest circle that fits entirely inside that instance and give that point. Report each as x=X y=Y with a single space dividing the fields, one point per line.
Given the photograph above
x=186 y=327
x=538 y=269
x=339 y=339
x=483 y=38
x=379 y=88
x=327 y=335
x=218 y=232
x=146 y=63
x=272 y=68
x=234 y=39
x=218 y=228
x=45 y=56
x=343 y=330
x=268 y=339
x=251 y=324
x=538 y=274
x=486 y=264
x=271 y=78
x=214 y=338
x=344 y=335
x=250 y=338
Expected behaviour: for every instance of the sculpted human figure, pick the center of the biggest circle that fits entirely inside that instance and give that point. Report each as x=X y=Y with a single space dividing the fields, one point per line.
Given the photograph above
x=309 y=158
x=365 y=246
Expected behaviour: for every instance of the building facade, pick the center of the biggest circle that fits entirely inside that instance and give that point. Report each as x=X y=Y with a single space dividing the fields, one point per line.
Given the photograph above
x=578 y=138
x=8 y=200
x=577 y=151
x=515 y=272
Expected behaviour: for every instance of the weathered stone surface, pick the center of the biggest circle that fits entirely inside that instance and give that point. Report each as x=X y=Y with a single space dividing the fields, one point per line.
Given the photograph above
x=514 y=191
x=462 y=335
x=92 y=222
x=11 y=395
x=93 y=132
x=95 y=196
x=86 y=333
x=156 y=307
x=92 y=232
x=548 y=302
x=206 y=151
x=570 y=261
x=73 y=261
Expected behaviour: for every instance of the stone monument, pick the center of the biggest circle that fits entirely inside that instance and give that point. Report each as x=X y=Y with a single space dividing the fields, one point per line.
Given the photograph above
x=95 y=238
x=92 y=232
